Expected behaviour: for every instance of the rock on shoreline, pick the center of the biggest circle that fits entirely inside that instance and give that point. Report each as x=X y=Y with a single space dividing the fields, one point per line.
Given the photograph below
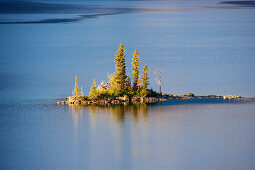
x=119 y=100
x=136 y=100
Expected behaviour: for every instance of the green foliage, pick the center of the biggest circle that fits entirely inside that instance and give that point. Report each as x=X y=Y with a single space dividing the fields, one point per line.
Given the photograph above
x=86 y=97
x=143 y=92
x=135 y=69
x=114 y=93
x=152 y=93
x=93 y=94
x=145 y=78
x=120 y=84
x=76 y=88
x=131 y=93
x=120 y=77
x=81 y=98
x=149 y=93
x=128 y=84
x=104 y=95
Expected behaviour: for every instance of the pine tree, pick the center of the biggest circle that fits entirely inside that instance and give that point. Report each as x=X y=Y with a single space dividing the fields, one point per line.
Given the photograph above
x=139 y=84
x=135 y=69
x=76 y=88
x=145 y=78
x=128 y=84
x=93 y=91
x=120 y=77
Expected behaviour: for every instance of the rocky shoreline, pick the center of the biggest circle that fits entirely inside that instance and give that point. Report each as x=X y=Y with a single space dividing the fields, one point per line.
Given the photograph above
x=118 y=100
x=78 y=100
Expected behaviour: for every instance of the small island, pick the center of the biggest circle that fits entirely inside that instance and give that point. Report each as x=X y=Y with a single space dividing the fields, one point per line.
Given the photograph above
x=123 y=89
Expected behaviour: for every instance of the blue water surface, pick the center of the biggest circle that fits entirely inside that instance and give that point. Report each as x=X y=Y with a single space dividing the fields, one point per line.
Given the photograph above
x=201 y=47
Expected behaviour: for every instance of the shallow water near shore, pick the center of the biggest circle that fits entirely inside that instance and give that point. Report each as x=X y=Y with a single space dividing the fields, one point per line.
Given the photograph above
x=41 y=134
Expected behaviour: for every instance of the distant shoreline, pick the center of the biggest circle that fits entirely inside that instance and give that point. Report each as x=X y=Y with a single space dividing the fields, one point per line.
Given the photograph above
x=80 y=11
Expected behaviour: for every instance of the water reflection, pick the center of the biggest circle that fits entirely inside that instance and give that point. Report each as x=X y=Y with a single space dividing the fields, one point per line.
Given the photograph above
x=77 y=111
x=120 y=126
x=139 y=112
x=117 y=112
x=124 y=134
x=110 y=125
x=136 y=111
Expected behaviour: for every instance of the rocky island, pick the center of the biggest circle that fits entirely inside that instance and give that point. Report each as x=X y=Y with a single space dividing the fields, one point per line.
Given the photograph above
x=122 y=89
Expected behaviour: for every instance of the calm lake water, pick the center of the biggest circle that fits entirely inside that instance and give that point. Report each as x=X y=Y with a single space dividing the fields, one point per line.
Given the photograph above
x=39 y=134
x=202 y=47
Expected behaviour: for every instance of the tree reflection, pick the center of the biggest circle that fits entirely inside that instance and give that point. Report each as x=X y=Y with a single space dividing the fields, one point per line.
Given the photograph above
x=108 y=123
x=76 y=108
x=76 y=111
x=137 y=111
x=118 y=112
x=144 y=110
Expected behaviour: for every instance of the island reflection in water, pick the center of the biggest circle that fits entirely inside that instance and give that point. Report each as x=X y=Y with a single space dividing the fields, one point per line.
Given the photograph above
x=116 y=112
x=112 y=131
x=140 y=111
x=166 y=135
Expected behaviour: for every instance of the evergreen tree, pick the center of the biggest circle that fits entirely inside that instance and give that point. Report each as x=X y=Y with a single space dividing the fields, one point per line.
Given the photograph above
x=128 y=84
x=135 y=69
x=139 y=82
x=76 y=88
x=120 y=77
x=145 y=78
x=93 y=91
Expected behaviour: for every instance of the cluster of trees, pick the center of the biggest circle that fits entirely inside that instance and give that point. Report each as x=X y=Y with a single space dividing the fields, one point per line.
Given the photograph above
x=119 y=83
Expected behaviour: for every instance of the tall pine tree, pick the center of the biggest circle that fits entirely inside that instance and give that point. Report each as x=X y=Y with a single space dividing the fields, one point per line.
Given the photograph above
x=135 y=69
x=93 y=91
x=144 y=81
x=76 y=88
x=145 y=78
x=120 y=77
